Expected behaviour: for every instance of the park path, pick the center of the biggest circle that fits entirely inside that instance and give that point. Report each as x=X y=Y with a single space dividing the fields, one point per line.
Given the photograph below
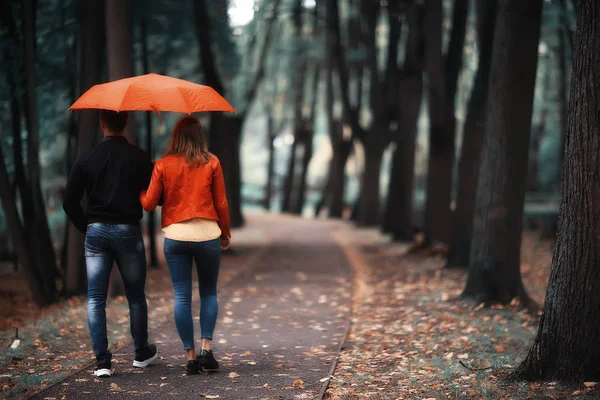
x=282 y=320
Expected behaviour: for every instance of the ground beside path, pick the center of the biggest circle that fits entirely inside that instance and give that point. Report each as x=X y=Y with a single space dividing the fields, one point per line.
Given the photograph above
x=411 y=339
x=281 y=322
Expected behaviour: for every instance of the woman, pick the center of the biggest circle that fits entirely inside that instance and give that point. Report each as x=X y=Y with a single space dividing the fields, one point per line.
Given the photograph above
x=195 y=221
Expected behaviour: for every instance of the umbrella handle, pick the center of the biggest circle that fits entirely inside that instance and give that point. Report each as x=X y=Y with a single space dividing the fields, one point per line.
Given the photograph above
x=160 y=121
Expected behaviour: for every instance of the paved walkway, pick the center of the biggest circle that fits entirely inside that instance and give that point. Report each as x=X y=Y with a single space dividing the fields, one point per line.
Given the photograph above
x=281 y=322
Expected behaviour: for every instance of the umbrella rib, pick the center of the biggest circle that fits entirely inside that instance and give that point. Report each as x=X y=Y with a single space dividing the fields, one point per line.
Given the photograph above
x=125 y=96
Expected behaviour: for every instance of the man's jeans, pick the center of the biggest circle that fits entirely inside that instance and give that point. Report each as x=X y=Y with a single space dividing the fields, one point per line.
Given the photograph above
x=207 y=255
x=104 y=244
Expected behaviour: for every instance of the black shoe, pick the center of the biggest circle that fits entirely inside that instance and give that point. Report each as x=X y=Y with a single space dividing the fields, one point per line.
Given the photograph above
x=206 y=361
x=145 y=357
x=192 y=367
x=103 y=369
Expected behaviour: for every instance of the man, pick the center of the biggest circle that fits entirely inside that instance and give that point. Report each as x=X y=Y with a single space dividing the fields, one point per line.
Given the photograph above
x=112 y=175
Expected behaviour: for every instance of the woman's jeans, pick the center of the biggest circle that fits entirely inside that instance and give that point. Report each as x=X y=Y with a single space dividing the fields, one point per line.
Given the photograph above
x=105 y=244
x=179 y=255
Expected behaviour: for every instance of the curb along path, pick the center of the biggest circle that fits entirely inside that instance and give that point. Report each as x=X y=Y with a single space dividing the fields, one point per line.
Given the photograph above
x=281 y=322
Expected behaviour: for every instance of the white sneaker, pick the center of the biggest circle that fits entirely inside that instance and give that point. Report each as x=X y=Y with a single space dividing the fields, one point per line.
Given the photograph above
x=146 y=357
x=103 y=370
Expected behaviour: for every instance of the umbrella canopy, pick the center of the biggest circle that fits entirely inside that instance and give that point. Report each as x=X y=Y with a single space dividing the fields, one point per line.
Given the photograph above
x=152 y=92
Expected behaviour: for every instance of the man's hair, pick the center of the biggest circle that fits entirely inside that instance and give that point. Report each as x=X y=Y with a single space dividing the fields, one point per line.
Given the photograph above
x=115 y=121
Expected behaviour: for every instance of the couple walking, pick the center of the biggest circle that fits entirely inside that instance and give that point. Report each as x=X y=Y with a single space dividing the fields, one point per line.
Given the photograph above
x=119 y=179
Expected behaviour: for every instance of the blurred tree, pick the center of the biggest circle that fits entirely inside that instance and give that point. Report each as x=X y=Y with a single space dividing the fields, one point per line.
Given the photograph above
x=399 y=206
x=45 y=256
x=494 y=270
x=473 y=132
x=341 y=141
x=442 y=76
x=303 y=41
x=565 y=43
x=120 y=65
x=566 y=344
x=119 y=49
x=91 y=66
x=225 y=131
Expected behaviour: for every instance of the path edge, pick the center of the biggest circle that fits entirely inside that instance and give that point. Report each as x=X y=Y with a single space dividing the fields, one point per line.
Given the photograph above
x=354 y=264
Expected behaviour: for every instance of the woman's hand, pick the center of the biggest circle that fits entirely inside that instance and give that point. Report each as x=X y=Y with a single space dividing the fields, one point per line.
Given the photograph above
x=225 y=243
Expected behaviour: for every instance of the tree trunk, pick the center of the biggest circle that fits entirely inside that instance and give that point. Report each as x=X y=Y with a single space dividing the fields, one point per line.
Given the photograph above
x=45 y=256
x=153 y=259
x=231 y=135
x=369 y=213
x=288 y=189
x=119 y=49
x=271 y=167
x=337 y=179
x=399 y=209
x=441 y=138
x=32 y=275
x=474 y=128
x=494 y=270
x=306 y=157
x=91 y=66
x=566 y=347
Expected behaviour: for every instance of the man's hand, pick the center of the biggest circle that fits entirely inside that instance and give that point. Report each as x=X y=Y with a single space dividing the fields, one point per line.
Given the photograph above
x=225 y=243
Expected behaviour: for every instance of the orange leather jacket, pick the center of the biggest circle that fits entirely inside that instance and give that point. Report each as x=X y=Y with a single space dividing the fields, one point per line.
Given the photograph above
x=188 y=192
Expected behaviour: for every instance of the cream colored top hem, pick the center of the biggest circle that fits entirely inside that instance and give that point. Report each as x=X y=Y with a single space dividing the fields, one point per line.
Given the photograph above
x=193 y=230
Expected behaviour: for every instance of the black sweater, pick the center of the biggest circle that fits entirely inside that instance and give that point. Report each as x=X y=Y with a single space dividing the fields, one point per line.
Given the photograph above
x=112 y=175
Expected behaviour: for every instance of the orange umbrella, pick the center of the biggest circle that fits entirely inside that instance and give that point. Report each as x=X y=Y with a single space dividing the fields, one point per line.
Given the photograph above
x=152 y=92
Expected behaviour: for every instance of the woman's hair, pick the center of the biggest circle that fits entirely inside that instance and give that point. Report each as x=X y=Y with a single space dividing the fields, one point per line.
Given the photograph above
x=188 y=140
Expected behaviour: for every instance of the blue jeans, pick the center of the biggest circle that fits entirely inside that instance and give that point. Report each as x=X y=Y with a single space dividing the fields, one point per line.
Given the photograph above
x=105 y=244
x=179 y=255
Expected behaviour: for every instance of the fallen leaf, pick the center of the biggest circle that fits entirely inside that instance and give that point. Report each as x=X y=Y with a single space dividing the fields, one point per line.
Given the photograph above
x=114 y=387
x=233 y=375
x=590 y=384
x=299 y=384
x=212 y=396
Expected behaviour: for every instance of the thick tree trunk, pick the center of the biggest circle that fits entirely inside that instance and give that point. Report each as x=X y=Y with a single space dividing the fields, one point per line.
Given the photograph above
x=32 y=275
x=441 y=138
x=369 y=213
x=337 y=179
x=91 y=66
x=45 y=256
x=474 y=128
x=566 y=347
x=119 y=49
x=494 y=270
x=230 y=138
x=399 y=209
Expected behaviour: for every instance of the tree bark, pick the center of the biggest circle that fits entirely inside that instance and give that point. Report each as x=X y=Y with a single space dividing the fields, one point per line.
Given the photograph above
x=288 y=188
x=441 y=138
x=119 y=49
x=337 y=179
x=45 y=257
x=369 y=213
x=271 y=167
x=494 y=270
x=474 y=128
x=91 y=66
x=566 y=346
